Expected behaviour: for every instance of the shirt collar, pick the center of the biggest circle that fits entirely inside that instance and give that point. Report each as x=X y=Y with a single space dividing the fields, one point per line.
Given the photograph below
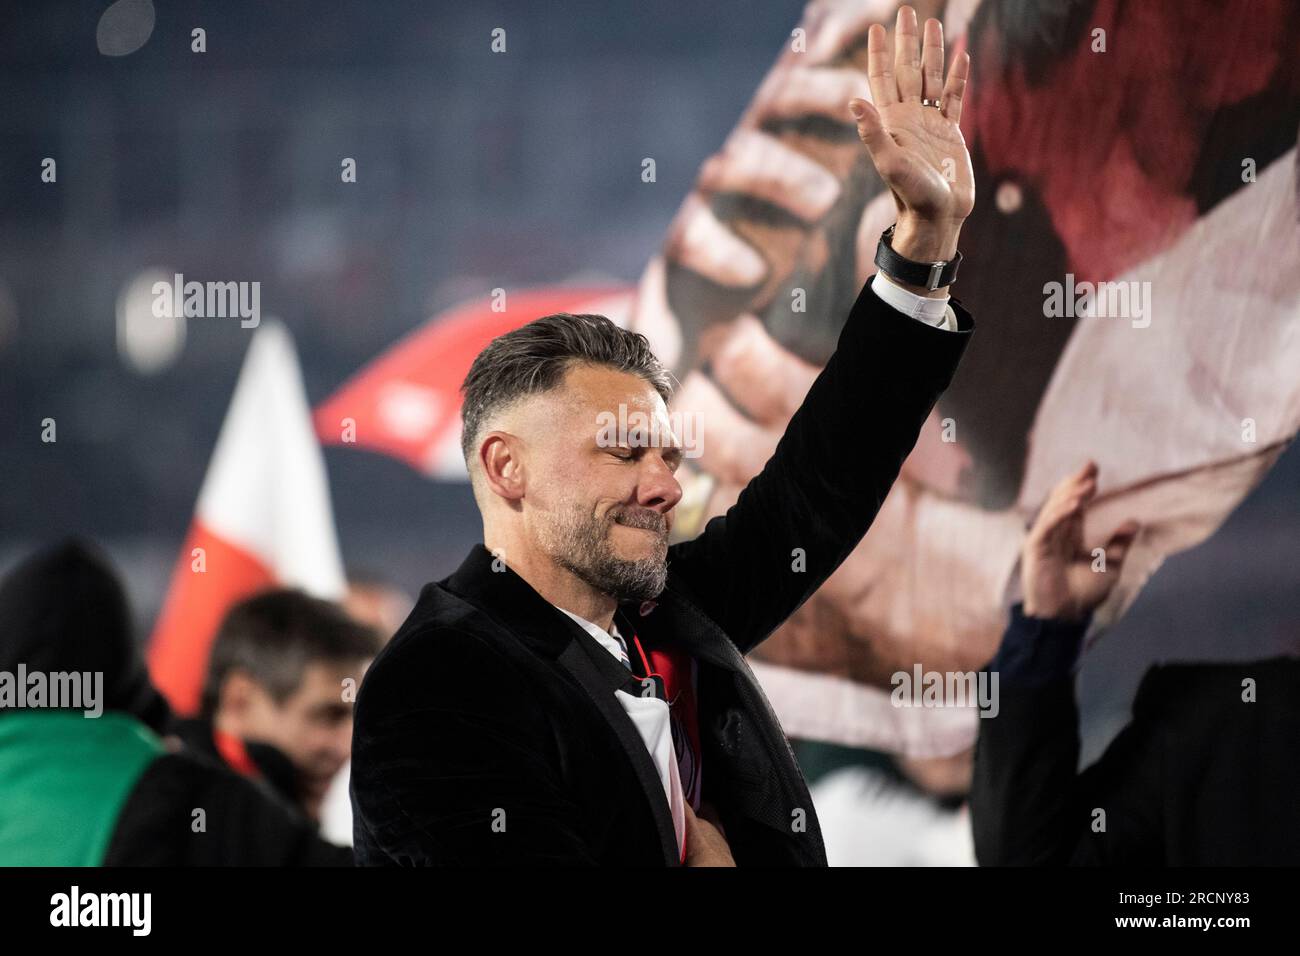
x=594 y=630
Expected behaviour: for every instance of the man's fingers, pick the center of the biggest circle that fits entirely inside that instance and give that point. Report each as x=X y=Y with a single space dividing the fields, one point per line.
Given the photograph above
x=954 y=91
x=885 y=153
x=932 y=60
x=907 y=55
x=880 y=69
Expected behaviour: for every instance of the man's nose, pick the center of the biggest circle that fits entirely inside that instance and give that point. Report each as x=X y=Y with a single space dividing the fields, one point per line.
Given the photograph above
x=658 y=488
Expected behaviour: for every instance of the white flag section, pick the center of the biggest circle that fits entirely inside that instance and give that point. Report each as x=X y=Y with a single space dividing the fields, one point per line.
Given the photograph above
x=266 y=490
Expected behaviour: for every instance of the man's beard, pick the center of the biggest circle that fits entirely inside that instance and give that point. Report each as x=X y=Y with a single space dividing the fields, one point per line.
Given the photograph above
x=579 y=541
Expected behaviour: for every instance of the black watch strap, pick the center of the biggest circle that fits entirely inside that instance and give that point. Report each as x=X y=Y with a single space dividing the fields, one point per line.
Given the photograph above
x=928 y=275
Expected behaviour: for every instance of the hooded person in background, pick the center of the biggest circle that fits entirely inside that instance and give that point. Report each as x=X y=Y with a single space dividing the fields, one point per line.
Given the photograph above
x=86 y=777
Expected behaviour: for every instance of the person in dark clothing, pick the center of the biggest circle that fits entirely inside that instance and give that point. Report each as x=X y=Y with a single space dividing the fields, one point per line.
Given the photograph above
x=276 y=703
x=1205 y=773
x=95 y=783
x=576 y=692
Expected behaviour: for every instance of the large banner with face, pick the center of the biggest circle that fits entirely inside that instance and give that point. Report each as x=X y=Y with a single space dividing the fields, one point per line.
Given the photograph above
x=1133 y=264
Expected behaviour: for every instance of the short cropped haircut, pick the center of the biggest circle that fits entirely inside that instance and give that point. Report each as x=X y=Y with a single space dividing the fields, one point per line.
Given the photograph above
x=275 y=635
x=535 y=357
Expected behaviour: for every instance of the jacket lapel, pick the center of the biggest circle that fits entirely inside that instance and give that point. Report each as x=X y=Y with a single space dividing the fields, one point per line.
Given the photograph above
x=577 y=659
x=677 y=617
x=504 y=596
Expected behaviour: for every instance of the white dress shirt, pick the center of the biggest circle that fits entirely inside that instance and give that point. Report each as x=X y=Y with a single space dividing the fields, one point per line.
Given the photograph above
x=650 y=715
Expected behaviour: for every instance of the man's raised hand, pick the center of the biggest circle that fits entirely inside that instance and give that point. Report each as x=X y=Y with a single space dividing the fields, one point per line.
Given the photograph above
x=918 y=149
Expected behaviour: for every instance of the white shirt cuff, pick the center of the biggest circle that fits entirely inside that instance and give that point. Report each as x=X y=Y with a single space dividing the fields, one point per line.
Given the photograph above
x=936 y=312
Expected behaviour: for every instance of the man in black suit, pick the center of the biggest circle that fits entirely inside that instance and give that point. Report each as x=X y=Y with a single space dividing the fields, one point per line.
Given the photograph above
x=1204 y=774
x=576 y=692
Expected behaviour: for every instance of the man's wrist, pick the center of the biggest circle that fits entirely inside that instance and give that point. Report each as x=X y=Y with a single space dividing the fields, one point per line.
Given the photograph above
x=924 y=241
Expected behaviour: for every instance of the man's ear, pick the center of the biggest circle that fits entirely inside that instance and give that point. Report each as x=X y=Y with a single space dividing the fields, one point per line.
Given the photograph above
x=501 y=455
x=235 y=699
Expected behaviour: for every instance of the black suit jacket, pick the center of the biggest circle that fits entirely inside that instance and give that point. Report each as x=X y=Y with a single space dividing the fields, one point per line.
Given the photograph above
x=1199 y=777
x=485 y=732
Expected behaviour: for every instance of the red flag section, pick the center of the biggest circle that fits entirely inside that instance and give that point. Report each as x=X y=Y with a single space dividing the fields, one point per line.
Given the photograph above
x=406 y=403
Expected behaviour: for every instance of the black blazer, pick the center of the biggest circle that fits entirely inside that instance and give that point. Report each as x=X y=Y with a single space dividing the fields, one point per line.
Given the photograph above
x=486 y=733
x=1199 y=777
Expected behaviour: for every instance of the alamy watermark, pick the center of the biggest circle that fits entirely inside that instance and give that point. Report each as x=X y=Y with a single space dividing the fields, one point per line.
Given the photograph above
x=133 y=911
x=208 y=300
x=1122 y=300
x=920 y=688
x=55 y=690
x=638 y=429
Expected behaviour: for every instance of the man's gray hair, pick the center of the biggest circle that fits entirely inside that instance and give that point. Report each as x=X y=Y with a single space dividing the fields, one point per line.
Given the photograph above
x=534 y=358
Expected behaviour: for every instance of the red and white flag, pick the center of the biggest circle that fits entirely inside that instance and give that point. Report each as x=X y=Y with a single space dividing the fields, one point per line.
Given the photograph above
x=263 y=518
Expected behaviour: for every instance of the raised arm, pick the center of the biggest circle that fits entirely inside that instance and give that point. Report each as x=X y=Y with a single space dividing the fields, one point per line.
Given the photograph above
x=810 y=505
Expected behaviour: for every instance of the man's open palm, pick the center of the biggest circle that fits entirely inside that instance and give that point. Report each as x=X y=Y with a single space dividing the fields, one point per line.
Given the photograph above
x=917 y=148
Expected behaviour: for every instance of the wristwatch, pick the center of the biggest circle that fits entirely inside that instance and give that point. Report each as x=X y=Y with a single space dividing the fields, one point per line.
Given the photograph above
x=928 y=275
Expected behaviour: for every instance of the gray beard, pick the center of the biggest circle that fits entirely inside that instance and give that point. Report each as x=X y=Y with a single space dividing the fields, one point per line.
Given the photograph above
x=581 y=545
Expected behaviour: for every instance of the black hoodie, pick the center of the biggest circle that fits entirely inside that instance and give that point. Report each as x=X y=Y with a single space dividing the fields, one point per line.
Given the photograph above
x=64 y=610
